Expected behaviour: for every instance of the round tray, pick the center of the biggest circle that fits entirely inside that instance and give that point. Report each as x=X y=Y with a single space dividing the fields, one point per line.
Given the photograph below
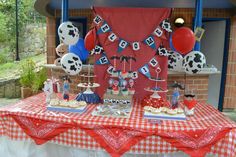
x=88 y=86
x=155 y=92
x=156 y=80
x=158 y=91
x=83 y=75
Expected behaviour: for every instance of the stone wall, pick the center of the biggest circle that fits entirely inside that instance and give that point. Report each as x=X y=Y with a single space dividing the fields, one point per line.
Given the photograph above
x=10 y=88
x=33 y=40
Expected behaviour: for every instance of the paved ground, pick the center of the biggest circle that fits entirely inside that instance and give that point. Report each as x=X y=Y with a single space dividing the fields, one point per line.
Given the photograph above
x=231 y=115
x=4 y=101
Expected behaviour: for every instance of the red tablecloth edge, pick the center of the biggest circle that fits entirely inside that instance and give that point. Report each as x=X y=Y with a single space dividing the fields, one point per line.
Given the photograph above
x=197 y=152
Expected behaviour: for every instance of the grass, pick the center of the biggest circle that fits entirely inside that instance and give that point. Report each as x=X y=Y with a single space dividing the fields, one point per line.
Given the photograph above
x=12 y=69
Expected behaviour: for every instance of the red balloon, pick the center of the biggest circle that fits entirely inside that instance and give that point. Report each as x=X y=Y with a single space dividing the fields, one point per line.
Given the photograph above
x=90 y=40
x=183 y=40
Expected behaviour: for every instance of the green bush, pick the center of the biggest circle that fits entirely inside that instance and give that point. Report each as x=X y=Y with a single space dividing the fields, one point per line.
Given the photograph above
x=3 y=27
x=27 y=74
x=38 y=83
x=4 y=55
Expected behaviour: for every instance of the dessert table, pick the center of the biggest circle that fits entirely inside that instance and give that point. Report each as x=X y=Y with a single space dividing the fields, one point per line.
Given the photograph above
x=28 y=121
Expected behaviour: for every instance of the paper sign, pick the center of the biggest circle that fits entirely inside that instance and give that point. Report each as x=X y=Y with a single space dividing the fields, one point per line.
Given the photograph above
x=97 y=19
x=136 y=46
x=112 y=37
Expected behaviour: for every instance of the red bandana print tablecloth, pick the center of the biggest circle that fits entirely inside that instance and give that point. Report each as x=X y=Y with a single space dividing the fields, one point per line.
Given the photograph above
x=208 y=131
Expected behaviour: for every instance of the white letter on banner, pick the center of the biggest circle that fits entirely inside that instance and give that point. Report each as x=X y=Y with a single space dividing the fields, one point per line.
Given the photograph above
x=153 y=62
x=110 y=69
x=103 y=60
x=112 y=37
x=136 y=46
x=149 y=41
x=158 y=32
x=97 y=19
x=123 y=44
x=105 y=28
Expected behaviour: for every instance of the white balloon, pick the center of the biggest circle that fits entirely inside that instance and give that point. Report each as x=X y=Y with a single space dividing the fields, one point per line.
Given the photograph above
x=68 y=33
x=194 y=62
x=71 y=64
x=61 y=49
x=57 y=61
x=175 y=61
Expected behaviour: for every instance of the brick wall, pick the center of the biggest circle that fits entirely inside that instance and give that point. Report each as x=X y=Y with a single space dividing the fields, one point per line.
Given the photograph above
x=199 y=83
x=230 y=88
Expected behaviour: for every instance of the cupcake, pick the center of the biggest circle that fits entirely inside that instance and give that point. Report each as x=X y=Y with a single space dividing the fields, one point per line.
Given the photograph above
x=124 y=74
x=131 y=91
x=180 y=110
x=124 y=92
x=54 y=102
x=109 y=90
x=115 y=73
x=115 y=91
x=164 y=109
x=130 y=74
x=171 y=111
x=156 y=110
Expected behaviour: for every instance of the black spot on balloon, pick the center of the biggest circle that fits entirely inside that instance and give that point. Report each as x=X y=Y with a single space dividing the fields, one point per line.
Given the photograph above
x=190 y=64
x=73 y=68
x=72 y=33
x=172 y=60
x=197 y=58
x=199 y=66
x=62 y=38
x=187 y=58
x=70 y=62
x=75 y=58
x=63 y=66
x=170 y=67
x=69 y=26
x=60 y=31
x=195 y=71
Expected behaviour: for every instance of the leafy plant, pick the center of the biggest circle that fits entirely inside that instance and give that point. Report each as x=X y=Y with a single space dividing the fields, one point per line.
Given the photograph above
x=38 y=83
x=4 y=55
x=28 y=75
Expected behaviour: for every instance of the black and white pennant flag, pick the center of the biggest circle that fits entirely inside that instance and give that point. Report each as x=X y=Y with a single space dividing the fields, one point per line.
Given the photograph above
x=136 y=46
x=97 y=20
x=158 y=32
x=112 y=37
x=104 y=28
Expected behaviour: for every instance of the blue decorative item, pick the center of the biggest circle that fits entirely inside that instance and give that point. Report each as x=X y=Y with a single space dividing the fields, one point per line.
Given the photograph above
x=150 y=42
x=145 y=71
x=122 y=45
x=104 y=28
x=79 y=50
x=92 y=98
x=171 y=44
x=176 y=94
x=103 y=60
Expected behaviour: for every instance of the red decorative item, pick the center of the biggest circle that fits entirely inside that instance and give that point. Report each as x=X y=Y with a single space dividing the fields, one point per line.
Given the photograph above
x=190 y=103
x=183 y=40
x=156 y=103
x=90 y=40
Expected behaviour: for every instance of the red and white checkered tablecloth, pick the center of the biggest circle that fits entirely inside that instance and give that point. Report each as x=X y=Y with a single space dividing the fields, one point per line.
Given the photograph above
x=34 y=107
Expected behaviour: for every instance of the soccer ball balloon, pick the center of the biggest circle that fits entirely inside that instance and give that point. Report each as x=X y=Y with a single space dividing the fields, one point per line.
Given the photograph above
x=68 y=33
x=71 y=64
x=194 y=62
